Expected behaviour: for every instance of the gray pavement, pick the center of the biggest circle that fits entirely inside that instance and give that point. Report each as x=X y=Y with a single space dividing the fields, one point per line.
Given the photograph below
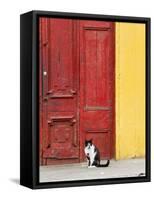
x=79 y=171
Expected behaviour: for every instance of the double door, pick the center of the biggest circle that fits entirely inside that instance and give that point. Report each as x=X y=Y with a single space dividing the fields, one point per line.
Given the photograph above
x=76 y=88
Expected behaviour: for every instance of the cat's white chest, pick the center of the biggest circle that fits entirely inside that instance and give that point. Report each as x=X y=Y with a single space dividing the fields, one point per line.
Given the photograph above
x=90 y=151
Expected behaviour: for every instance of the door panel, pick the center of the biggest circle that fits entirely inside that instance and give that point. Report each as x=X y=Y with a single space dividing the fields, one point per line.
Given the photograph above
x=96 y=85
x=60 y=82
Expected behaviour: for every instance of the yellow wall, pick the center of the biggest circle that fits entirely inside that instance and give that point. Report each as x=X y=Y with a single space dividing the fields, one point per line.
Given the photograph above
x=130 y=90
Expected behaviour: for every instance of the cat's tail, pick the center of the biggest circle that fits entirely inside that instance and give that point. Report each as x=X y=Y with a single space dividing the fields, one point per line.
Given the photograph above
x=104 y=165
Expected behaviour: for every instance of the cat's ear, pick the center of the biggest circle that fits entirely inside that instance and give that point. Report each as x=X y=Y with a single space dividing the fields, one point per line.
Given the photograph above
x=91 y=141
x=86 y=142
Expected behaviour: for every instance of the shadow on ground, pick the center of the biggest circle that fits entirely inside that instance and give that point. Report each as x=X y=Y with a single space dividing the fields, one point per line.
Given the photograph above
x=15 y=180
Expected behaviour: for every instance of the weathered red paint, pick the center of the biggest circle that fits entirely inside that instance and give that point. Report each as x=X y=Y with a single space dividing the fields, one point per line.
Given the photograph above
x=96 y=85
x=76 y=88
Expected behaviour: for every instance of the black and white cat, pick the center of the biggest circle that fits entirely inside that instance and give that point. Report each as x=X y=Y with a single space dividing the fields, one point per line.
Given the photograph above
x=93 y=155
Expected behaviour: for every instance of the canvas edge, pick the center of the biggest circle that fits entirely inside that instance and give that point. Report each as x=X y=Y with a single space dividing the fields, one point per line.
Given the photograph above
x=35 y=139
x=25 y=100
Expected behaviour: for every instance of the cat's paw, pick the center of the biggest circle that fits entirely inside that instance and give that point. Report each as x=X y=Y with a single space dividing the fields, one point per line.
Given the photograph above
x=93 y=166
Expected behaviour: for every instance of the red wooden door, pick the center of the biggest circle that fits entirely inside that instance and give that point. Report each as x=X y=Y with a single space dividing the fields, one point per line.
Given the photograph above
x=76 y=88
x=97 y=85
x=59 y=80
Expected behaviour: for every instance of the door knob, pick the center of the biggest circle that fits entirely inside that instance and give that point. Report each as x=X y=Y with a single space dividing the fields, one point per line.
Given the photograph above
x=44 y=73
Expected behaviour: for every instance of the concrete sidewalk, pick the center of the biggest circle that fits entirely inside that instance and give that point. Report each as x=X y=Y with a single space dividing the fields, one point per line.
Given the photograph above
x=116 y=169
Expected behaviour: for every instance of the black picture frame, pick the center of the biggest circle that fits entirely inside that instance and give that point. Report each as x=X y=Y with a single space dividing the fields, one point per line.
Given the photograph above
x=29 y=100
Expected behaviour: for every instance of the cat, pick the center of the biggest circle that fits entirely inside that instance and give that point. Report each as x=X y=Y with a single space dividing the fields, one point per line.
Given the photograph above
x=93 y=155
